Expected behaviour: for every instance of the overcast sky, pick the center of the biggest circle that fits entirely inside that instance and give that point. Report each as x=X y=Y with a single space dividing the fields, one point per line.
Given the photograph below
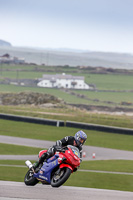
x=95 y=25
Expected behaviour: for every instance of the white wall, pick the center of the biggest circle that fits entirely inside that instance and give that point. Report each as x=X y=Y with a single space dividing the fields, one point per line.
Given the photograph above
x=64 y=83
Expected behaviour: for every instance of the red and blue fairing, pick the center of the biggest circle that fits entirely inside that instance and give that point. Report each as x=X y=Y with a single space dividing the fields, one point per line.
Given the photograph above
x=68 y=158
x=45 y=172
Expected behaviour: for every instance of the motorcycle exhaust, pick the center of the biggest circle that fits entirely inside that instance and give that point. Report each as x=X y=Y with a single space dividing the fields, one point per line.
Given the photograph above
x=28 y=164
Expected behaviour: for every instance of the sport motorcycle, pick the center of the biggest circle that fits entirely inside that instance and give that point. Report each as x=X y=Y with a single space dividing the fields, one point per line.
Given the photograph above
x=56 y=170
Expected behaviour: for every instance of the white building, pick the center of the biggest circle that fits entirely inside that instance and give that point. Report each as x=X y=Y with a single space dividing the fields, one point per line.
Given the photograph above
x=63 y=81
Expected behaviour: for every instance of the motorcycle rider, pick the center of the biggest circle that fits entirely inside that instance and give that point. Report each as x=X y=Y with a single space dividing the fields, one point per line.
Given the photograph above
x=78 y=140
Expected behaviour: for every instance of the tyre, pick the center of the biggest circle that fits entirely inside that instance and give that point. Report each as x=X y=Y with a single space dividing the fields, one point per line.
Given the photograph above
x=60 y=178
x=29 y=179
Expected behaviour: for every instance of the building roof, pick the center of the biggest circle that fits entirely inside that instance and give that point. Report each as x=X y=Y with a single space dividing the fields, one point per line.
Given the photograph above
x=61 y=76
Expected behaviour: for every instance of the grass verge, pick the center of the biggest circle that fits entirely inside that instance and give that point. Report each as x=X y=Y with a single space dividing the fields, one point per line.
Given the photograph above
x=109 y=165
x=79 y=179
x=101 y=181
x=100 y=165
x=10 y=149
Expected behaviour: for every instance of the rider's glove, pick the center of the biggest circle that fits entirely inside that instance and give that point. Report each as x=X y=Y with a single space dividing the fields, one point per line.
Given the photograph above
x=58 y=148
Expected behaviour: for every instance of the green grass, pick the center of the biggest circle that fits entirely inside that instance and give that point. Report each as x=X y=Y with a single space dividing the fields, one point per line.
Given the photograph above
x=101 y=181
x=5 y=67
x=10 y=149
x=108 y=165
x=15 y=162
x=110 y=81
x=78 y=179
x=22 y=74
x=12 y=173
x=114 y=97
x=98 y=165
x=52 y=133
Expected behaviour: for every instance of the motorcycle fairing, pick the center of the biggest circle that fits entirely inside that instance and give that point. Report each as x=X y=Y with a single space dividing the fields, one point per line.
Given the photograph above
x=41 y=153
x=45 y=171
x=66 y=165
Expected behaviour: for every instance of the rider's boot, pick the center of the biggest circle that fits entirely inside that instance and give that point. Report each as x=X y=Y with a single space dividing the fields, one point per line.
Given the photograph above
x=39 y=163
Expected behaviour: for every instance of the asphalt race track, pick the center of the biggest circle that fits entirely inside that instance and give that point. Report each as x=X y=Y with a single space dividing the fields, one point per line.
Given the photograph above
x=17 y=190
x=100 y=153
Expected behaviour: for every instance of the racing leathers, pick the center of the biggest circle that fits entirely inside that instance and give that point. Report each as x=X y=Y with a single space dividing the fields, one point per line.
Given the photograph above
x=69 y=140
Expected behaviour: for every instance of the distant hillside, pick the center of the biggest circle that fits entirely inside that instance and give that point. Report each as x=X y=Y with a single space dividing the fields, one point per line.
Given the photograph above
x=60 y=57
x=4 y=43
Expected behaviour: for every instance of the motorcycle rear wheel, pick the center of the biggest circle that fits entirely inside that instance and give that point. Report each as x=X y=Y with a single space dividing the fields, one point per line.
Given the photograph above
x=61 y=178
x=29 y=179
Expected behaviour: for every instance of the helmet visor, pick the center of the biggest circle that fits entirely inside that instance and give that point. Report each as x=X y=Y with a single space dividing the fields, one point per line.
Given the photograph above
x=82 y=141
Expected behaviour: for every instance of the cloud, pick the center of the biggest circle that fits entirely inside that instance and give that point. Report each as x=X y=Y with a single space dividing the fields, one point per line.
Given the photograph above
x=86 y=24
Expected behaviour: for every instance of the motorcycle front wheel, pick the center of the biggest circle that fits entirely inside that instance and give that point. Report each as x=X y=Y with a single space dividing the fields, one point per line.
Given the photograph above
x=29 y=179
x=61 y=177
